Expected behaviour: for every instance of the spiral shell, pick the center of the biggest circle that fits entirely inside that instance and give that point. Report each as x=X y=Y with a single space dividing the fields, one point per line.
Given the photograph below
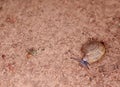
x=93 y=51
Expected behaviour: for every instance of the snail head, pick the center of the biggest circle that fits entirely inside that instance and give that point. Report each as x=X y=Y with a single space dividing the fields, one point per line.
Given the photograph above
x=82 y=62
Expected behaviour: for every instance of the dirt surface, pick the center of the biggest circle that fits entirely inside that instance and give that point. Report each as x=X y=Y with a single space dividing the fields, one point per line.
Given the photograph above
x=38 y=38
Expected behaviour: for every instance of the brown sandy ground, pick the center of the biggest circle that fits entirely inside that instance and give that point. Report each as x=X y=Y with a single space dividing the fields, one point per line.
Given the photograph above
x=38 y=37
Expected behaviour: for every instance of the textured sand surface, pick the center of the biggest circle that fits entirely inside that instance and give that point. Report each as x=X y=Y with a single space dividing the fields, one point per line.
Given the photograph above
x=38 y=37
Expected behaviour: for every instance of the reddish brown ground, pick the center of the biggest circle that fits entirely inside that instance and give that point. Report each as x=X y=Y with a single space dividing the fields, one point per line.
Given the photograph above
x=56 y=30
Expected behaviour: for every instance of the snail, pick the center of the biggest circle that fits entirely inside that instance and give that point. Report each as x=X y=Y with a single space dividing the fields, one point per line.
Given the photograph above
x=93 y=51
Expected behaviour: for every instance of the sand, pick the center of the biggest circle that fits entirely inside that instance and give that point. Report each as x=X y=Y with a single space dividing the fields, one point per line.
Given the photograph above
x=39 y=37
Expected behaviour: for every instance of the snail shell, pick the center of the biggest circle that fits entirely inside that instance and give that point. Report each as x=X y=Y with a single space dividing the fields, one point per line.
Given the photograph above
x=93 y=51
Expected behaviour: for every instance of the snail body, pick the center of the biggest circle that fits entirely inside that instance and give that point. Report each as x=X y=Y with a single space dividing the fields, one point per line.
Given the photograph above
x=93 y=51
